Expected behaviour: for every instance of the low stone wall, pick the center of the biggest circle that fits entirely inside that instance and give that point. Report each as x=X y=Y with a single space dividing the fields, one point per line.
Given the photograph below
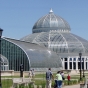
x=7 y=73
x=17 y=73
x=74 y=72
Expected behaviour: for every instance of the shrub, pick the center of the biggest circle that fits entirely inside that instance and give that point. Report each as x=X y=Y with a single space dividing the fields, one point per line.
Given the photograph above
x=70 y=82
x=65 y=82
x=74 y=81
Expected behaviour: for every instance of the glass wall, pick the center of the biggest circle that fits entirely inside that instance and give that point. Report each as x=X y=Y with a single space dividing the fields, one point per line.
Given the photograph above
x=15 y=55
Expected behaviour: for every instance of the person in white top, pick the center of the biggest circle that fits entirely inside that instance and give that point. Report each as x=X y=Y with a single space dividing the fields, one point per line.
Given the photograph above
x=30 y=74
x=33 y=73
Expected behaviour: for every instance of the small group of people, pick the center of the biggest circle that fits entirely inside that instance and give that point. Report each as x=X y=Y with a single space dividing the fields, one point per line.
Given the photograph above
x=31 y=73
x=49 y=77
x=58 y=79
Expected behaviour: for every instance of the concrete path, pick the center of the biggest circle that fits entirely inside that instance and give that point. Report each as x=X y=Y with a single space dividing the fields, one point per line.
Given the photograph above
x=72 y=86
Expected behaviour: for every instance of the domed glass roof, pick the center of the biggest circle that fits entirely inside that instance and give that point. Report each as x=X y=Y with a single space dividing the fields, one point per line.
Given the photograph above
x=50 y=22
x=54 y=34
x=59 y=42
x=39 y=56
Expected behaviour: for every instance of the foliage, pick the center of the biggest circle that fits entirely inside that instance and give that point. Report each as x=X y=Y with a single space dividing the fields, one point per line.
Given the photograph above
x=71 y=82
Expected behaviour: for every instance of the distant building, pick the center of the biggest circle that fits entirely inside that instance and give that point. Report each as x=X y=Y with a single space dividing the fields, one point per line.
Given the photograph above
x=50 y=45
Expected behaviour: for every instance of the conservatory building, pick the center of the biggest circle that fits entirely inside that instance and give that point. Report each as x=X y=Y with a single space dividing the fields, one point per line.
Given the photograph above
x=54 y=33
x=51 y=45
x=32 y=56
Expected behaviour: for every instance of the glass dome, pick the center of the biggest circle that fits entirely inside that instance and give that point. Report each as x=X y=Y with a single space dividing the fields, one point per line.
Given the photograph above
x=50 y=22
x=59 y=42
x=53 y=32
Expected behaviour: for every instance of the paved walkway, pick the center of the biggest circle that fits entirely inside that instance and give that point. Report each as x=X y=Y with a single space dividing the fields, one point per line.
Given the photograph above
x=72 y=86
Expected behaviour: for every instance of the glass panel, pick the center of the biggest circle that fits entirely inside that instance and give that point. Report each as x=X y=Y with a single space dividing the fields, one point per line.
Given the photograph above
x=70 y=59
x=74 y=59
x=70 y=63
x=65 y=59
x=74 y=65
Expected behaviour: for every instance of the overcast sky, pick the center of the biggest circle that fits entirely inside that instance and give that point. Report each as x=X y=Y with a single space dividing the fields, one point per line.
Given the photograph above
x=17 y=17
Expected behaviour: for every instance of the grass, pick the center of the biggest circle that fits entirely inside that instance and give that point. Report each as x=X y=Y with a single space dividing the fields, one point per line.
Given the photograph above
x=7 y=83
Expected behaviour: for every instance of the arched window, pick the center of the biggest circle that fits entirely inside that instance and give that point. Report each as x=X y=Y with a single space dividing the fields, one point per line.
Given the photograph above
x=4 y=63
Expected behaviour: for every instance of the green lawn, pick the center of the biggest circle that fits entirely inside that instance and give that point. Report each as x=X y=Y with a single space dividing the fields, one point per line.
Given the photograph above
x=7 y=83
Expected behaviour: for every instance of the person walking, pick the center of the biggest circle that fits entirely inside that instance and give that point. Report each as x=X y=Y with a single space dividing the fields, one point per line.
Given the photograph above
x=68 y=77
x=33 y=73
x=30 y=74
x=62 y=74
x=59 y=80
x=49 y=77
